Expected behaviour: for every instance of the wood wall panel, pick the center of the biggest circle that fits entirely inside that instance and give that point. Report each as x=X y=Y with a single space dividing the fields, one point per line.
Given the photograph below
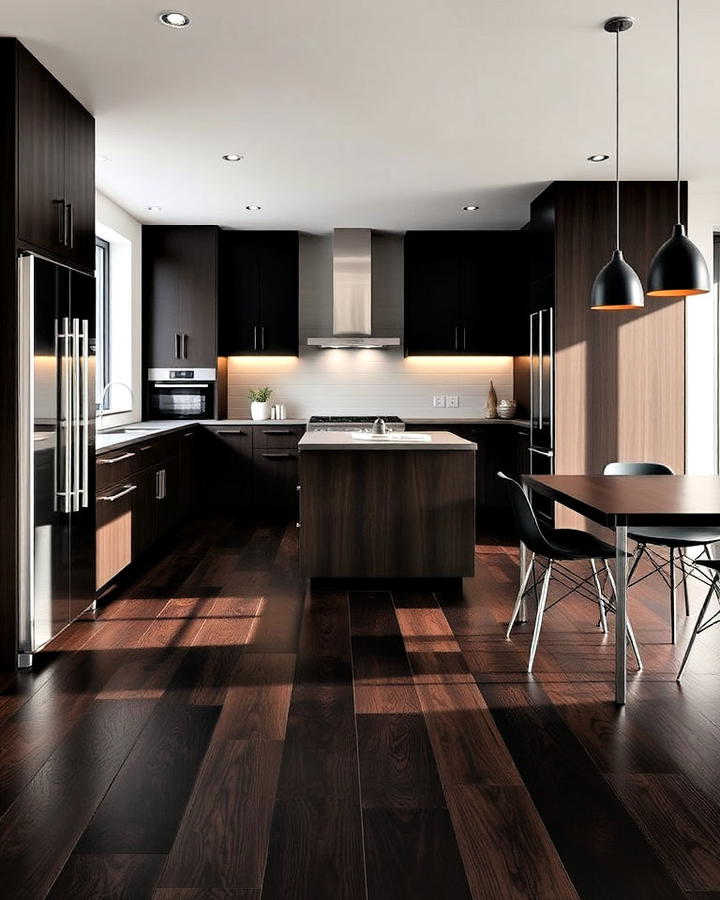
x=620 y=376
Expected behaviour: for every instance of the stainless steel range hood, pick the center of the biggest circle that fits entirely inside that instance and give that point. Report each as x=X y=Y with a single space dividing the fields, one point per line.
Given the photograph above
x=352 y=294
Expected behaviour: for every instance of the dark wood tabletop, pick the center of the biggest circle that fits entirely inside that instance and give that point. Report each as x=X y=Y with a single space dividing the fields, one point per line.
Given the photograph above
x=635 y=499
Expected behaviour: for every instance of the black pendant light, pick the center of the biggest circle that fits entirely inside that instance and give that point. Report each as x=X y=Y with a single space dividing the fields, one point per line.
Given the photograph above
x=678 y=269
x=617 y=285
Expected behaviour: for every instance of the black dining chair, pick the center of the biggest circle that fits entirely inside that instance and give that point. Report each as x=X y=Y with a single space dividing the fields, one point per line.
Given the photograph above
x=672 y=539
x=704 y=622
x=557 y=546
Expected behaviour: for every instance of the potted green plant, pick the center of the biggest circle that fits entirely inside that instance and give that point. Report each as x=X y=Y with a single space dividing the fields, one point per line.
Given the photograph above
x=259 y=406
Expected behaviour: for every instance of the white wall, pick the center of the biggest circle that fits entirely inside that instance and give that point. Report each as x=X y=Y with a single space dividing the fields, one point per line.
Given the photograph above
x=125 y=236
x=701 y=321
x=356 y=382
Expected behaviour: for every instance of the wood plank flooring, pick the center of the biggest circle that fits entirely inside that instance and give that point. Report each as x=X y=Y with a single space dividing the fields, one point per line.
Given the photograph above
x=217 y=729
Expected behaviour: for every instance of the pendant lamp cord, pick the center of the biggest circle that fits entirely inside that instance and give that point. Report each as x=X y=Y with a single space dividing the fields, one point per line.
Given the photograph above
x=677 y=106
x=617 y=139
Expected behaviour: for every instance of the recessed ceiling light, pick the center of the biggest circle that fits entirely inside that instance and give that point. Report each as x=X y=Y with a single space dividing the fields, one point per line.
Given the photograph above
x=174 y=19
x=598 y=157
x=101 y=158
x=154 y=208
x=232 y=157
x=253 y=208
x=470 y=208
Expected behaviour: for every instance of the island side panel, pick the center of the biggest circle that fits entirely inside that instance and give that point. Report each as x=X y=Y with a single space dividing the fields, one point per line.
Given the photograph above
x=387 y=513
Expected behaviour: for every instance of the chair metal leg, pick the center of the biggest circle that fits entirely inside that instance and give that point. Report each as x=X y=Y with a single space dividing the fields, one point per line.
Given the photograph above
x=630 y=631
x=685 y=580
x=698 y=624
x=539 y=617
x=673 y=599
x=521 y=594
x=601 y=598
x=639 y=550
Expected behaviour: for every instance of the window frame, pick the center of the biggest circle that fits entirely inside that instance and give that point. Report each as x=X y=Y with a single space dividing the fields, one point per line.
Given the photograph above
x=103 y=315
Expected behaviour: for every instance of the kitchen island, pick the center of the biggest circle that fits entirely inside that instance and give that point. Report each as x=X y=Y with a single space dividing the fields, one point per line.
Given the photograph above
x=403 y=507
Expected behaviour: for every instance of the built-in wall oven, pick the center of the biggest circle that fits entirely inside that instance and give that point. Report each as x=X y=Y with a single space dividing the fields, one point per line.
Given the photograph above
x=181 y=393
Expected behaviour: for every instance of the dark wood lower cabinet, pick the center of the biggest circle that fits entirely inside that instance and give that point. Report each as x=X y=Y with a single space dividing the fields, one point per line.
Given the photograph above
x=227 y=461
x=114 y=520
x=144 y=520
x=275 y=481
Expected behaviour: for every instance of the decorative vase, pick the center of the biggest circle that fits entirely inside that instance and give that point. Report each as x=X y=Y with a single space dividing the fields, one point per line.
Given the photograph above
x=507 y=409
x=259 y=411
x=491 y=403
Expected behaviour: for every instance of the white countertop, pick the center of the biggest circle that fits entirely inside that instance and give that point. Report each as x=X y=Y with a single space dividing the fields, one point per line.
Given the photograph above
x=343 y=440
x=139 y=431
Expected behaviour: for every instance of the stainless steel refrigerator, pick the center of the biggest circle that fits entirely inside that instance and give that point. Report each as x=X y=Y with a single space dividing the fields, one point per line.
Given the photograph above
x=542 y=405
x=56 y=428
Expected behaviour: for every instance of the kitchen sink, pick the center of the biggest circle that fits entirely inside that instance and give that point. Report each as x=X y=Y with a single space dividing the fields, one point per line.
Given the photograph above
x=128 y=430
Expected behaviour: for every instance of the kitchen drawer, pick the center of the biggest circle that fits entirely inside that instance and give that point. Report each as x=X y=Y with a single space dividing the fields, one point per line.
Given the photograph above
x=115 y=466
x=276 y=437
x=114 y=510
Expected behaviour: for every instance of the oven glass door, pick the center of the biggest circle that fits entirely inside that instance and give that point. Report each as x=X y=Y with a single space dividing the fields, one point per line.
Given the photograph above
x=181 y=401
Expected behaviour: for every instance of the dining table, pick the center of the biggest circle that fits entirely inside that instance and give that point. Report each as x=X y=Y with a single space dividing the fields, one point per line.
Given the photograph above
x=621 y=502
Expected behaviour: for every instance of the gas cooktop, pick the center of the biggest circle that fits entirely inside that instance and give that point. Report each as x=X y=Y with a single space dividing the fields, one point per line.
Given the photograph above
x=353 y=423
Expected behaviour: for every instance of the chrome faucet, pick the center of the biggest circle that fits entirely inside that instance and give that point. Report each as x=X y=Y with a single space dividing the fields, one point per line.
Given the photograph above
x=100 y=407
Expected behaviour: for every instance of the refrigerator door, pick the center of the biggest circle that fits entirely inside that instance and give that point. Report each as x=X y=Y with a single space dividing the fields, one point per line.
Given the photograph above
x=82 y=519
x=44 y=452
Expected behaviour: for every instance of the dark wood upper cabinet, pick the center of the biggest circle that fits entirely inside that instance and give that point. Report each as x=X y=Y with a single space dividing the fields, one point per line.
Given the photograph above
x=466 y=293
x=55 y=165
x=259 y=293
x=180 y=289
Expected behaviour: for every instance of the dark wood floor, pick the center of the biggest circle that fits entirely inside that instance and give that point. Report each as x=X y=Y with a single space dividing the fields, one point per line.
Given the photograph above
x=215 y=731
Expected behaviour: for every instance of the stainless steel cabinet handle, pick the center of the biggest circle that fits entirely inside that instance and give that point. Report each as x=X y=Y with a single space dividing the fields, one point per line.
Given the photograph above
x=541 y=452
x=109 y=462
x=262 y=337
x=177 y=384
x=277 y=456
x=146 y=447
x=176 y=350
x=456 y=337
x=254 y=337
x=189 y=434
x=85 y=416
x=230 y=431
x=111 y=498
x=464 y=338
x=279 y=431
x=185 y=346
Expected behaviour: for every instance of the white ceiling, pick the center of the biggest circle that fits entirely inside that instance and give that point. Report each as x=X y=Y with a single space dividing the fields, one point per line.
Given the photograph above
x=383 y=113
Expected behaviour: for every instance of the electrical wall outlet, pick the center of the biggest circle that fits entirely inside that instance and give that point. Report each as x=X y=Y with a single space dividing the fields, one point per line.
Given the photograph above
x=438 y=401
x=452 y=402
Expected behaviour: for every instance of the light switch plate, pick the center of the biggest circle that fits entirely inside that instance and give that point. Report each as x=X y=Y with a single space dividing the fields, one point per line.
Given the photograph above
x=438 y=401
x=453 y=402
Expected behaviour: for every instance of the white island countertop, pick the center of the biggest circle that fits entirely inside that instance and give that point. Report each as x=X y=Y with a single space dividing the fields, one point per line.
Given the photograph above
x=344 y=440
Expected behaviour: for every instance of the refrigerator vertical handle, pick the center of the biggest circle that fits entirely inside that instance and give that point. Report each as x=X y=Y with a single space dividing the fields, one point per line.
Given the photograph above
x=76 y=446
x=551 y=366
x=84 y=449
x=532 y=371
x=26 y=550
x=540 y=369
x=65 y=425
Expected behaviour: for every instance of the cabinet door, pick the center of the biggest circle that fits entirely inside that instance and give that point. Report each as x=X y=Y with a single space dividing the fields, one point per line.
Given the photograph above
x=167 y=495
x=144 y=530
x=275 y=480
x=238 y=313
x=278 y=293
x=180 y=295
x=227 y=462
x=432 y=291
x=189 y=457
x=79 y=191
x=200 y=296
x=115 y=516
x=163 y=267
x=41 y=130
x=494 y=289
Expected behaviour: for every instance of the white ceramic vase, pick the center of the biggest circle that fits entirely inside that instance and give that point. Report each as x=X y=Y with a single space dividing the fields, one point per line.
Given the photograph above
x=259 y=411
